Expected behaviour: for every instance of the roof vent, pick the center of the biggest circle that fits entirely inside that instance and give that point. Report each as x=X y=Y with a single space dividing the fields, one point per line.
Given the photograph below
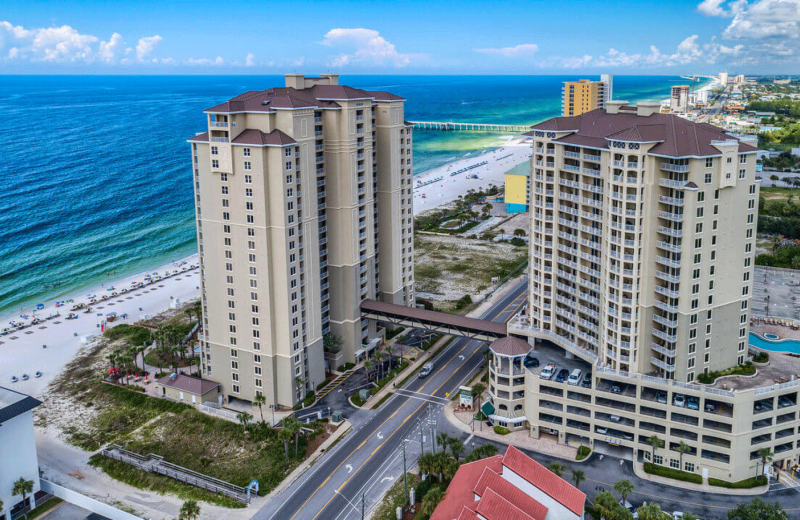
x=265 y=102
x=173 y=376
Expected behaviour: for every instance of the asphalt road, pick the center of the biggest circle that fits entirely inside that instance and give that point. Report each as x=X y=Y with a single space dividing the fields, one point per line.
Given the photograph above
x=366 y=462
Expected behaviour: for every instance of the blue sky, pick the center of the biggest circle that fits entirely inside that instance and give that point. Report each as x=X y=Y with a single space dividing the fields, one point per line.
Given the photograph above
x=399 y=37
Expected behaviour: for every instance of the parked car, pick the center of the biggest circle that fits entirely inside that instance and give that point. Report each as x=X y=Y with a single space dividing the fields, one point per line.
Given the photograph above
x=627 y=436
x=784 y=401
x=679 y=400
x=575 y=377
x=661 y=397
x=711 y=408
x=693 y=403
x=587 y=380
x=631 y=509
x=548 y=371
x=531 y=362
x=562 y=376
x=601 y=430
x=616 y=389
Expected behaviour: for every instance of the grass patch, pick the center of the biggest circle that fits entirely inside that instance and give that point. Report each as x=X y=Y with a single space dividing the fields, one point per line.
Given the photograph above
x=345 y=367
x=157 y=483
x=356 y=400
x=583 y=452
x=747 y=483
x=740 y=370
x=675 y=474
x=394 y=498
x=133 y=334
x=307 y=401
x=42 y=509
x=383 y=400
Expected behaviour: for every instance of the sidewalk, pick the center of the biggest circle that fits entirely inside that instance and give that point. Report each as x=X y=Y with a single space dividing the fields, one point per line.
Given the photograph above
x=638 y=470
x=340 y=432
x=519 y=438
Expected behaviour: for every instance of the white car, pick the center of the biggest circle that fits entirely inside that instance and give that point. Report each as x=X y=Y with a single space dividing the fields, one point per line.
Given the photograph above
x=679 y=400
x=548 y=371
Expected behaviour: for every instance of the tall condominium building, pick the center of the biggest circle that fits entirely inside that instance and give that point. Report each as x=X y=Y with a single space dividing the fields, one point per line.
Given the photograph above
x=304 y=209
x=740 y=79
x=642 y=251
x=586 y=95
x=723 y=78
x=679 y=98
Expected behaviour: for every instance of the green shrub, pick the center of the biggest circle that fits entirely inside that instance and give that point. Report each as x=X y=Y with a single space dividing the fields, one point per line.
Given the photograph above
x=747 y=483
x=516 y=241
x=308 y=401
x=394 y=332
x=741 y=370
x=463 y=302
x=422 y=489
x=583 y=452
x=499 y=430
x=133 y=334
x=674 y=474
x=761 y=357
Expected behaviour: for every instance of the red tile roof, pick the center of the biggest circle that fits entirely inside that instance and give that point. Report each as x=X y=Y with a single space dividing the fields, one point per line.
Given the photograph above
x=459 y=492
x=677 y=137
x=192 y=385
x=494 y=507
x=557 y=488
x=259 y=138
x=468 y=514
x=494 y=482
x=199 y=138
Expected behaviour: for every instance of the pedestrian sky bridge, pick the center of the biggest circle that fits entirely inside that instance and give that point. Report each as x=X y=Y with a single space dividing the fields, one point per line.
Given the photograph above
x=432 y=321
x=478 y=127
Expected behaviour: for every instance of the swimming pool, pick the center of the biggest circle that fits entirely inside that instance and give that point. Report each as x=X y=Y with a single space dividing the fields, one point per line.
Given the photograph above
x=781 y=345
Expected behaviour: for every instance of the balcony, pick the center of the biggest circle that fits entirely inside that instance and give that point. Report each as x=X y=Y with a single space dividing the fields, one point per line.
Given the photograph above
x=662 y=365
x=576 y=155
x=667 y=261
x=678 y=168
x=590 y=157
x=670 y=231
x=317 y=133
x=571 y=168
x=670 y=200
x=668 y=277
x=663 y=350
x=669 y=183
x=663 y=335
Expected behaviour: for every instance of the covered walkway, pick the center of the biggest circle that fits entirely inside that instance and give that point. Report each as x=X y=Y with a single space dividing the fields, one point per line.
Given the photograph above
x=432 y=321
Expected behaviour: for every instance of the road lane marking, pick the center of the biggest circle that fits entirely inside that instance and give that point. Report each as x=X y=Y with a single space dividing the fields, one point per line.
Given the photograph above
x=521 y=295
x=469 y=439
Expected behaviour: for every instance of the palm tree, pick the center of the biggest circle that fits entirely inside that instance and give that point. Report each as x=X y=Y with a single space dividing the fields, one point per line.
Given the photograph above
x=450 y=468
x=557 y=468
x=519 y=232
x=624 y=487
x=605 y=505
x=651 y=511
x=477 y=390
x=656 y=442
x=442 y=440
x=426 y=463
x=22 y=487
x=260 y=400
x=367 y=367
x=487 y=355
x=389 y=349
x=431 y=500
x=332 y=343
x=301 y=383
x=243 y=418
x=294 y=426
x=578 y=476
x=190 y=510
x=378 y=355
x=766 y=456
x=682 y=448
x=456 y=447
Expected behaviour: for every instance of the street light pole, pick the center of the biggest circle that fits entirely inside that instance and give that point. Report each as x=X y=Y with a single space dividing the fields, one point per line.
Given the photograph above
x=362 y=506
x=405 y=473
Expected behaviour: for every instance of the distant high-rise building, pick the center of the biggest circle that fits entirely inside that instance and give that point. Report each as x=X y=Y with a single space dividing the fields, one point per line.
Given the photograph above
x=723 y=78
x=304 y=209
x=740 y=79
x=586 y=95
x=679 y=98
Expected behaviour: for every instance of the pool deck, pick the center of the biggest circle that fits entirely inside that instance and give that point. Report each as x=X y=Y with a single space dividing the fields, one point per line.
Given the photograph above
x=783 y=332
x=781 y=368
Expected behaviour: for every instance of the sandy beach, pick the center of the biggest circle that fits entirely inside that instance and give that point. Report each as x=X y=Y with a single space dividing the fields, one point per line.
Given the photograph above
x=498 y=161
x=21 y=351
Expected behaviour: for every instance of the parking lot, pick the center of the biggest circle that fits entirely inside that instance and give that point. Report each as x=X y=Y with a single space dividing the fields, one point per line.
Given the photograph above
x=549 y=353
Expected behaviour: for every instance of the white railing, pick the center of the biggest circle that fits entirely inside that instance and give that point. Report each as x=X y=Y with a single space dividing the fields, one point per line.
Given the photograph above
x=678 y=168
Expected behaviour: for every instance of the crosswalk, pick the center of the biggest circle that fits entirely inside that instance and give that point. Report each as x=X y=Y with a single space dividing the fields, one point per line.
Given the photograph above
x=788 y=481
x=335 y=383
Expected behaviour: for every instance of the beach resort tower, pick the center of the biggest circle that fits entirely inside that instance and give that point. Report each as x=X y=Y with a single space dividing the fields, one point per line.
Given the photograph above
x=723 y=78
x=679 y=98
x=304 y=208
x=643 y=230
x=585 y=95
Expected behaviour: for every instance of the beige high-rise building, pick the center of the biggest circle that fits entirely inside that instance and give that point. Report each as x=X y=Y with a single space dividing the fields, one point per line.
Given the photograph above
x=586 y=95
x=304 y=209
x=679 y=98
x=642 y=253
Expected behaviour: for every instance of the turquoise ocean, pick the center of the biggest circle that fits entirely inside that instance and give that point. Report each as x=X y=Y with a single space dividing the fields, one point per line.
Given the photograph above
x=97 y=169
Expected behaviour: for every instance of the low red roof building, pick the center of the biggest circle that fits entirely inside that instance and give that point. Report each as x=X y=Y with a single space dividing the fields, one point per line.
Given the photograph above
x=510 y=486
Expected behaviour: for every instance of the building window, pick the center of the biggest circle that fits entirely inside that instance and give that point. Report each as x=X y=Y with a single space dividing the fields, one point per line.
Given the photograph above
x=658 y=459
x=709 y=162
x=214 y=150
x=247 y=165
x=708 y=178
x=688 y=466
x=235 y=389
x=214 y=163
x=224 y=190
x=674 y=463
x=288 y=166
x=246 y=152
x=223 y=177
x=288 y=152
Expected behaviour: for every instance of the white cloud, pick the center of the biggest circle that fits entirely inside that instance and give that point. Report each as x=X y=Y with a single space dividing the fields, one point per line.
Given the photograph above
x=146 y=45
x=65 y=44
x=523 y=49
x=717 y=7
x=205 y=61
x=108 y=50
x=766 y=19
x=363 y=47
x=250 y=60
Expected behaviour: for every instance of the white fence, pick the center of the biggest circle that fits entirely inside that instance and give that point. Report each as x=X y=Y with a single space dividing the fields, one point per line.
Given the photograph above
x=90 y=504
